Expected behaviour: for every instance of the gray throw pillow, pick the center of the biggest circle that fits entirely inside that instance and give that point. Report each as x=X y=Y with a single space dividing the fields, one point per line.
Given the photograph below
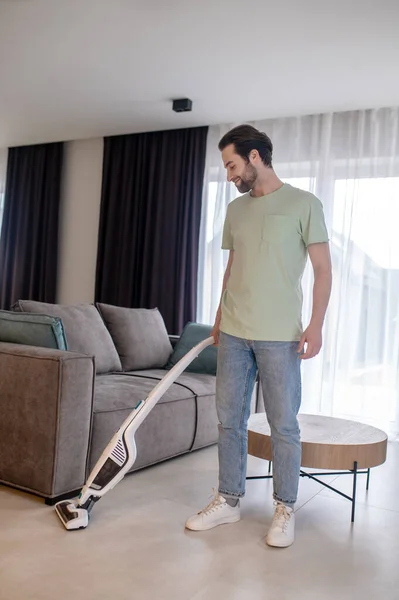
x=84 y=330
x=139 y=334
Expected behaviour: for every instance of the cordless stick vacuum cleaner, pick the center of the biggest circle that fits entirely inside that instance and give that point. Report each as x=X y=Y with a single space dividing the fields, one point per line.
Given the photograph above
x=120 y=454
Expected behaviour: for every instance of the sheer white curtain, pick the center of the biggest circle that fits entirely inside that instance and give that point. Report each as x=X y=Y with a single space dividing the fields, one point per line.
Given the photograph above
x=351 y=162
x=3 y=169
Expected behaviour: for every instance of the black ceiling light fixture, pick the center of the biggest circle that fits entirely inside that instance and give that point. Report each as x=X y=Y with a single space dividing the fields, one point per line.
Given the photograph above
x=182 y=105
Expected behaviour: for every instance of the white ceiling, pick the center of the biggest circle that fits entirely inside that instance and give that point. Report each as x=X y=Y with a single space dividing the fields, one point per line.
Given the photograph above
x=84 y=68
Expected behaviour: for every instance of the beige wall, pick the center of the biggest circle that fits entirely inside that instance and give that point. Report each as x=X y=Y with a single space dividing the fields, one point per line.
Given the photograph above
x=3 y=168
x=79 y=219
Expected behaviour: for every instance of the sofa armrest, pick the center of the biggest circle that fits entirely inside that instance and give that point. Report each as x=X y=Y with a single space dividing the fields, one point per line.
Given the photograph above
x=46 y=407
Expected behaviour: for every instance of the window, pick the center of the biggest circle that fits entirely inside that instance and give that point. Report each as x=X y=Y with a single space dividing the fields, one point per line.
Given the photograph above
x=370 y=222
x=364 y=306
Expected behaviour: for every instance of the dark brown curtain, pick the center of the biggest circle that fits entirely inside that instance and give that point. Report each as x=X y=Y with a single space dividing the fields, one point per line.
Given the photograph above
x=150 y=221
x=29 y=236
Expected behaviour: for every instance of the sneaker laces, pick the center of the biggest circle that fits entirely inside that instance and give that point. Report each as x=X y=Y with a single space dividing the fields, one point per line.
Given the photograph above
x=281 y=517
x=214 y=504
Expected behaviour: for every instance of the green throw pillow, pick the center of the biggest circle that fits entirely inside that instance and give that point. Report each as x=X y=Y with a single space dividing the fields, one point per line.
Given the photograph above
x=193 y=334
x=32 y=330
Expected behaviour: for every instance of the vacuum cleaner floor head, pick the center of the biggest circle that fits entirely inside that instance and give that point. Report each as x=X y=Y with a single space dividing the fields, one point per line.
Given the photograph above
x=72 y=516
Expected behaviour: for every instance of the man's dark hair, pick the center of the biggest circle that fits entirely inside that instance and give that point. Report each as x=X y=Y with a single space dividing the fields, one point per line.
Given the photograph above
x=246 y=138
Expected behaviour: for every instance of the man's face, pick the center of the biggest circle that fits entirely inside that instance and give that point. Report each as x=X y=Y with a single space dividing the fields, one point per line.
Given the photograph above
x=243 y=174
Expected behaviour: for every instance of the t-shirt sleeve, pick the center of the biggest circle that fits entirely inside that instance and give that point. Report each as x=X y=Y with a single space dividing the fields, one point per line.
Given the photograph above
x=227 y=239
x=313 y=224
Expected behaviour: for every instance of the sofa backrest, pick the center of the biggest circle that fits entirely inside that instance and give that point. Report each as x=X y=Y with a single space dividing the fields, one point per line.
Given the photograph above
x=84 y=328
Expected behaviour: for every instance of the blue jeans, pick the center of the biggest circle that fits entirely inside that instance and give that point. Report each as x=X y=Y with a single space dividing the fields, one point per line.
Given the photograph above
x=279 y=369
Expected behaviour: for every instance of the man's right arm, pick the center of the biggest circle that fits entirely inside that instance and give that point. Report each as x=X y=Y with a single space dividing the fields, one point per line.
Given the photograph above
x=216 y=328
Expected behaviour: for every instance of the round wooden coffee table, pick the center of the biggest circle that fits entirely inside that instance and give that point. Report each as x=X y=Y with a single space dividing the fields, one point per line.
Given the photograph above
x=328 y=443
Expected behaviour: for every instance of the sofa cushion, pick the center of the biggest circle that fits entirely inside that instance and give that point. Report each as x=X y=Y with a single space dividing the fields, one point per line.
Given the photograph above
x=139 y=334
x=193 y=334
x=121 y=391
x=199 y=383
x=124 y=390
x=32 y=330
x=84 y=330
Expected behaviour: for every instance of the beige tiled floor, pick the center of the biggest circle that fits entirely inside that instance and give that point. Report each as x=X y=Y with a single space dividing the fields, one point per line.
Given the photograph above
x=136 y=547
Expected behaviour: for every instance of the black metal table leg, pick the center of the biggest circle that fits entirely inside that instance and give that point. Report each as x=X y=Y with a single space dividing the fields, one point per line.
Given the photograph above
x=354 y=472
x=354 y=490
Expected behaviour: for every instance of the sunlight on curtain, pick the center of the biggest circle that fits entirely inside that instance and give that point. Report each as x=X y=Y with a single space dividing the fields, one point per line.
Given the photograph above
x=351 y=162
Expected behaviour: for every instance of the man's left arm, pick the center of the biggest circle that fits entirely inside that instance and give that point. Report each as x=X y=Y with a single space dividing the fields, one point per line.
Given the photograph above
x=320 y=258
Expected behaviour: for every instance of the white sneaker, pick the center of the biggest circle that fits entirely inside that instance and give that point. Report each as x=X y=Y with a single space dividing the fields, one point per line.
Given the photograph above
x=218 y=512
x=282 y=531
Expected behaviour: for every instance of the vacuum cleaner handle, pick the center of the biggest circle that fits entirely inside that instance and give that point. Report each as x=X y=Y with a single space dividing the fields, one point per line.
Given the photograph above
x=174 y=373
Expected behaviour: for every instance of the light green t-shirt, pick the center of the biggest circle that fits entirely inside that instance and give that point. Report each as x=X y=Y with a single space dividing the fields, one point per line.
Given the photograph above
x=269 y=236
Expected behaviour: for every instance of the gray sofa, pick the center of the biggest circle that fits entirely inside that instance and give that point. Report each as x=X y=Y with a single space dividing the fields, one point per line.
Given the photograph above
x=59 y=408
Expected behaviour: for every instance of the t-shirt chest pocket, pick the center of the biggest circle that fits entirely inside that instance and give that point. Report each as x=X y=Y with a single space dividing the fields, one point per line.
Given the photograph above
x=276 y=229
x=264 y=229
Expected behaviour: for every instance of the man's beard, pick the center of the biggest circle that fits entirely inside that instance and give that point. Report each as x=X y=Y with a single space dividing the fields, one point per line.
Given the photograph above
x=248 y=179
